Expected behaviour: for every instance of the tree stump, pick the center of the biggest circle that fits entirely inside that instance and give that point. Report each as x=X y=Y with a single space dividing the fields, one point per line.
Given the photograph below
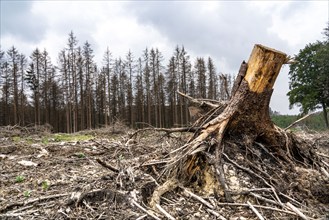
x=243 y=120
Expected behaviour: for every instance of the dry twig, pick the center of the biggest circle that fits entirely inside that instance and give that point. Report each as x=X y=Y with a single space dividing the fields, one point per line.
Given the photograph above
x=164 y=212
x=216 y=214
x=297 y=211
x=255 y=211
x=33 y=201
x=256 y=206
x=144 y=210
x=198 y=198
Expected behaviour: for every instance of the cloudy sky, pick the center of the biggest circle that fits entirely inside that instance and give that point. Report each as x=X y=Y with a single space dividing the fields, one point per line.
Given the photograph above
x=224 y=30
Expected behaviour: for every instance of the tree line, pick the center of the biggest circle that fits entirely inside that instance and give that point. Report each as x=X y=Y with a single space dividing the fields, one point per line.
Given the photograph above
x=76 y=93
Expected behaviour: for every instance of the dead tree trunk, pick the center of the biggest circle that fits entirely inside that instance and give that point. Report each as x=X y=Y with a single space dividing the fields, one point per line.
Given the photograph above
x=247 y=113
x=244 y=119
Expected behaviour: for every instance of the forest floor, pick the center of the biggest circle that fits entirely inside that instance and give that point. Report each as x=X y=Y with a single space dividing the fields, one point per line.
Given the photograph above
x=108 y=174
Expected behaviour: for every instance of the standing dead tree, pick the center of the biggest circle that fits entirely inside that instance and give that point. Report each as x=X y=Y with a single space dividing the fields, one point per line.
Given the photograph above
x=243 y=121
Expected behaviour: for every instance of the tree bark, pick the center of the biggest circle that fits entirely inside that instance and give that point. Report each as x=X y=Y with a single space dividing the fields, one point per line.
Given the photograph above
x=248 y=110
x=244 y=120
x=325 y=114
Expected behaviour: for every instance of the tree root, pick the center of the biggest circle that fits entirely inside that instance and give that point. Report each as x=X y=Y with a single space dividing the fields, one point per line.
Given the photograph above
x=259 y=147
x=169 y=185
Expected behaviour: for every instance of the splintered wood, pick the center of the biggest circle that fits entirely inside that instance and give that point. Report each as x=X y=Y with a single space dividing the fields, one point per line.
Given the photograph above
x=263 y=68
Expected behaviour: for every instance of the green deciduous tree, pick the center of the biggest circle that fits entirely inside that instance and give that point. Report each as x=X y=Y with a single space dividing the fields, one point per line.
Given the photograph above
x=309 y=78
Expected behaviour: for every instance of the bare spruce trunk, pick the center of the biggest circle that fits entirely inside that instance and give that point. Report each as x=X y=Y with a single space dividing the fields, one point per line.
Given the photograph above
x=325 y=115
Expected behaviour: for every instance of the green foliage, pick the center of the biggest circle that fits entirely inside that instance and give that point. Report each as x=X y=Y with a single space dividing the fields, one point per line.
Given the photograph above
x=283 y=121
x=45 y=185
x=27 y=193
x=19 y=179
x=305 y=80
x=309 y=78
x=80 y=155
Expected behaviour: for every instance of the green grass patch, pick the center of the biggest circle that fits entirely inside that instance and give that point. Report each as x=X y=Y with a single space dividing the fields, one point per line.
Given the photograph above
x=19 y=179
x=45 y=140
x=72 y=137
x=27 y=193
x=29 y=140
x=45 y=185
x=16 y=139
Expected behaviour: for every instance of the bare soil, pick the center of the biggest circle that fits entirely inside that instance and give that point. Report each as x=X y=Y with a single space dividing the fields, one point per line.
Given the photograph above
x=112 y=175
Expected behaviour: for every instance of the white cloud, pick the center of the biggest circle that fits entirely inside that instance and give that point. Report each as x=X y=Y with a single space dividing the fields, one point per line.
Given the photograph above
x=124 y=34
x=298 y=27
x=9 y=40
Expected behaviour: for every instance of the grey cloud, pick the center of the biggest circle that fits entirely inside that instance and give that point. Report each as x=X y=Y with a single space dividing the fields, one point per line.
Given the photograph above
x=229 y=33
x=294 y=6
x=17 y=19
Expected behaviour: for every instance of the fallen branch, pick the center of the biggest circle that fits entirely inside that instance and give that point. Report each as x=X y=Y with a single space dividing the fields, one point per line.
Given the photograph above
x=265 y=199
x=18 y=214
x=255 y=211
x=201 y=103
x=154 y=162
x=216 y=214
x=299 y=120
x=108 y=166
x=297 y=211
x=33 y=201
x=325 y=173
x=144 y=210
x=167 y=130
x=164 y=212
x=256 y=206
x=198 y=198
x=322 y=155
x=142 y=217
x=292 y=200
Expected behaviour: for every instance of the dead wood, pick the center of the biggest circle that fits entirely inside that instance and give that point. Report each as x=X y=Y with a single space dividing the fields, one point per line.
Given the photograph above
x=31 y=201
x=260 y=217
x=166 y=130
x=108 y=166
x=203 y=103
x=244 y=122
x=299 y=120
x=94 y=191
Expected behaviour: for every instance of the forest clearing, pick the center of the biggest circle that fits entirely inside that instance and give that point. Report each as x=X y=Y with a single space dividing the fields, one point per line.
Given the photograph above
x=232 y=163
x=58 y=176
x=153 y=110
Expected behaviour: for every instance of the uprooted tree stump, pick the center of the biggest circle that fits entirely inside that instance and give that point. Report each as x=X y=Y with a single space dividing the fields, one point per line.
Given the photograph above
x=239 y=126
